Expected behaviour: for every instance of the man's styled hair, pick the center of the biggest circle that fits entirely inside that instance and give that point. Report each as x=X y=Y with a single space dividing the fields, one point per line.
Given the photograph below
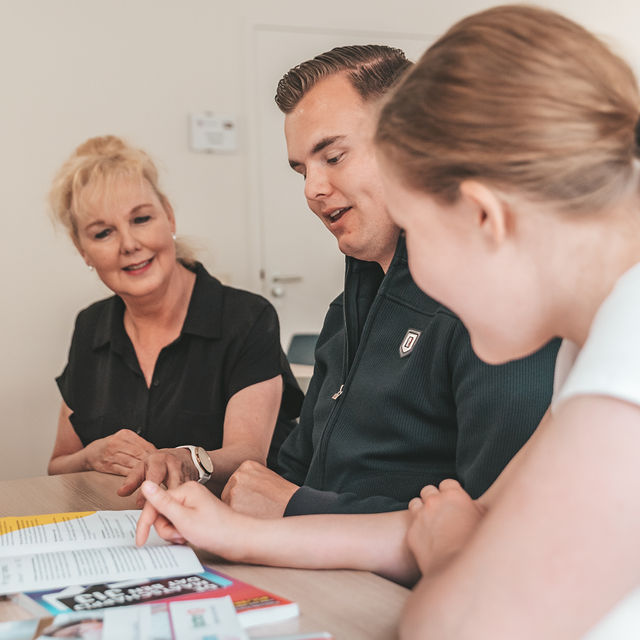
x=372 y=70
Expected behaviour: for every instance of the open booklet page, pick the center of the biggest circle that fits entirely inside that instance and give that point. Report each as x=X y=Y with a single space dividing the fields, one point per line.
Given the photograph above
x=54 y=550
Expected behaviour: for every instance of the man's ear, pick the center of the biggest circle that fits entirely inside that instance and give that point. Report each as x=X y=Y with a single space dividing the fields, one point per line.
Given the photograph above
x=492 y=213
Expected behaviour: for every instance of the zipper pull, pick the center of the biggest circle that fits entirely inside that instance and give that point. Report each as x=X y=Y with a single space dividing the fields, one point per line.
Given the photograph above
x=336 y=395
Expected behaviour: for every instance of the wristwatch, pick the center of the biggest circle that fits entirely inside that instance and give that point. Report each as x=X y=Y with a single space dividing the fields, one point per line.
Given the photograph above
x=201 y=460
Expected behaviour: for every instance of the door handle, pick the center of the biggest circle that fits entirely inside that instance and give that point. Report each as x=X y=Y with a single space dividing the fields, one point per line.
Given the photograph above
x=286 y=279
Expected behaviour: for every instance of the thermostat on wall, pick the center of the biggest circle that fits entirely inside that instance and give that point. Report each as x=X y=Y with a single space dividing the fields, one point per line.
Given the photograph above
x=212 y=133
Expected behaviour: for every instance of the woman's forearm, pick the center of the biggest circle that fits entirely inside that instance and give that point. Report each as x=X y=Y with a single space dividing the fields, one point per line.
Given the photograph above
x=68 y=463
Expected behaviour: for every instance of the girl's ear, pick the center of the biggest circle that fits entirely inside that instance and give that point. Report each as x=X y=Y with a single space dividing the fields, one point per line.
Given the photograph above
x=491 y=213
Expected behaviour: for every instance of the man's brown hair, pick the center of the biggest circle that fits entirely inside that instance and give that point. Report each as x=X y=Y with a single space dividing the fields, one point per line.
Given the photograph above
x=372 y=69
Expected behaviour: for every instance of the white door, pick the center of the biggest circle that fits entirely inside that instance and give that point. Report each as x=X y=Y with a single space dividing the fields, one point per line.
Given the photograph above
x=298 y=262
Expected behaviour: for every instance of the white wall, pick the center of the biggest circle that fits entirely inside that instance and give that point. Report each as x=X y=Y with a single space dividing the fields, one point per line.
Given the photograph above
x=70 y=69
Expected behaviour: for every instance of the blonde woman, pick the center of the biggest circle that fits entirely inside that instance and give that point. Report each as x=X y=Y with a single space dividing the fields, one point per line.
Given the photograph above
x=175 y=377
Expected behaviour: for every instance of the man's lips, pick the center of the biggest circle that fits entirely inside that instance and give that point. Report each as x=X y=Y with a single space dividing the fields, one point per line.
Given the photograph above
x=138 y=266
x=335 y=215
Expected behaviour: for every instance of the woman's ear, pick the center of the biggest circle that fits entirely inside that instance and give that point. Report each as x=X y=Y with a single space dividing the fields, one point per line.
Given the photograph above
x=81 y=251
x=491 y=212
x=166 y=205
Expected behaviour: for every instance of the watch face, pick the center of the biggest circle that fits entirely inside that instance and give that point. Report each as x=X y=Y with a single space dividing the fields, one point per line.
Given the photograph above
x=204 y=459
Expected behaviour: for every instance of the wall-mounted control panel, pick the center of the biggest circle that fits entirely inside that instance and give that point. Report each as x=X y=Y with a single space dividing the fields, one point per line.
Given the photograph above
x=210 y=132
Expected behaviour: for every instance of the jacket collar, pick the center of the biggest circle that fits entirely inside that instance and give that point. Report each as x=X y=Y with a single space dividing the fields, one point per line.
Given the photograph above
x=354 y=265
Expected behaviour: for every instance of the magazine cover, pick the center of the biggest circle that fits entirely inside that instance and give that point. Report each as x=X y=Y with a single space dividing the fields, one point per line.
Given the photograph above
x=253 y=605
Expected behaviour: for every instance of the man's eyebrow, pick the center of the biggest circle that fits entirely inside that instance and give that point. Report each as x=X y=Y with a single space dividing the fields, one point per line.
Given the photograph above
x=324 y=143
x=319 y=146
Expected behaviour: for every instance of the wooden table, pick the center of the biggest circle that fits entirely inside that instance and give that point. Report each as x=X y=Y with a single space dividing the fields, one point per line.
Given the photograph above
x=352 y=605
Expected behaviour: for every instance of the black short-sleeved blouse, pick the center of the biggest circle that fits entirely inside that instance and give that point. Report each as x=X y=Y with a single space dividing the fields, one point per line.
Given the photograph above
x=230 y=340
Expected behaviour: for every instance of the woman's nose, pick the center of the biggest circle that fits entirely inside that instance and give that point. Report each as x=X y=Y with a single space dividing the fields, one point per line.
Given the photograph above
x=128 y=242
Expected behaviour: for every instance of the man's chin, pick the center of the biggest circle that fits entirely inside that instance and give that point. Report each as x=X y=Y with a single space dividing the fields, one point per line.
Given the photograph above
x=351 y=251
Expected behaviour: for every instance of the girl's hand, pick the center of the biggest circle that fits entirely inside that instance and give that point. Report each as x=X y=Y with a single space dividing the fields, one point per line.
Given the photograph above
x=191 y=513
x=444 y=518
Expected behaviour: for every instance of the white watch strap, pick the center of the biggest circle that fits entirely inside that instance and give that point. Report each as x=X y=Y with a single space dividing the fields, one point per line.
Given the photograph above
x=203 y=474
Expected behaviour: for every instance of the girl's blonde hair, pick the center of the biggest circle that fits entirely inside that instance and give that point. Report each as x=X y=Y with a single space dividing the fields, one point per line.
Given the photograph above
x=522 y=98
x=97 y=163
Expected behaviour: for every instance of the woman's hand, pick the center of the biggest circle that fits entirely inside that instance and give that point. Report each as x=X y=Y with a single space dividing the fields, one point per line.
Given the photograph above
x=118 y=453
x=171 y=467
x=444 y=518
x=191 y=513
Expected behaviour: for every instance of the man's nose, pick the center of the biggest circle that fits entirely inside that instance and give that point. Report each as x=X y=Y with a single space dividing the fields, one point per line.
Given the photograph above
x=316 y=184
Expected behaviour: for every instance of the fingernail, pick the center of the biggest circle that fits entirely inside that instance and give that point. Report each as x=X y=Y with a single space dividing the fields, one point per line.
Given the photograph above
x=149 y=487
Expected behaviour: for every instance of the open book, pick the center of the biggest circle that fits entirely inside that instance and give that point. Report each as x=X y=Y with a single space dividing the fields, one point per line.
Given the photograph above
x=61 y=549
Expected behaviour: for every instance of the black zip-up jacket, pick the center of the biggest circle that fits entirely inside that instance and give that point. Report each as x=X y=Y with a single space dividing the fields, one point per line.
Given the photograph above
x=386 y=413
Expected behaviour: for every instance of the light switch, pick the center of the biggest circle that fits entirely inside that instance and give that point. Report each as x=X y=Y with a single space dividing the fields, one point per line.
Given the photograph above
x=211 y=132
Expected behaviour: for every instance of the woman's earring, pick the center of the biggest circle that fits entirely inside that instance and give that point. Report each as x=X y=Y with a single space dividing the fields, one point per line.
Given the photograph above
x=173 y=235
x=90 y=267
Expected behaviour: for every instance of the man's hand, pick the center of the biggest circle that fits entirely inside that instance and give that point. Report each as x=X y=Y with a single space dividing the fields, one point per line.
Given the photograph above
x=444 y=519
x=171 y=467
x=191 y=513
x=118 y=453
x=257 y=491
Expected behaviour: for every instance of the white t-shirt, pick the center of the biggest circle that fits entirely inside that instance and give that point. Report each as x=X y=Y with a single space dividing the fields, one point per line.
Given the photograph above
x=608 y=364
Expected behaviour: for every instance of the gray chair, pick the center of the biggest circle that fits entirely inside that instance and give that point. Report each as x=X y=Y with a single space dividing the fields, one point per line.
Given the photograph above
x=302 y=348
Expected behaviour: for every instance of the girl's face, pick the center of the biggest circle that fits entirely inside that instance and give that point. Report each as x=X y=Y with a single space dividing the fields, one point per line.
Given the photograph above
x=476 y=258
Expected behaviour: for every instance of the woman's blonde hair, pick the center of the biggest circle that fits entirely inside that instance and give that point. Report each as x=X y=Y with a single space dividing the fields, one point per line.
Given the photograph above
x=522 y=98
x=97 y=163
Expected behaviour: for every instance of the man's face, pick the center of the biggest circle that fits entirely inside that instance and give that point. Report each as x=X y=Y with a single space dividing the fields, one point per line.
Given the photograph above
x=330 y=142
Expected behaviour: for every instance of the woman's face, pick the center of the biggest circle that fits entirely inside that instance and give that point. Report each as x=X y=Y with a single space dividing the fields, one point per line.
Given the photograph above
x=492 y=283
x=126 y=235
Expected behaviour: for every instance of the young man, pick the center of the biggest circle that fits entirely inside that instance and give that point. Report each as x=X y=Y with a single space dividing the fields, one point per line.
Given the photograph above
x=398 y=399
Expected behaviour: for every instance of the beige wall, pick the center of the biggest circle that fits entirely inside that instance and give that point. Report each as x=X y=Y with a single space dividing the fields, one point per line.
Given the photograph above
x=70 y=69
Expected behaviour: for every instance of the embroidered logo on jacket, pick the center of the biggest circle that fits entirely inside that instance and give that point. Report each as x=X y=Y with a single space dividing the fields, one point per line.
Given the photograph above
x=409 y=342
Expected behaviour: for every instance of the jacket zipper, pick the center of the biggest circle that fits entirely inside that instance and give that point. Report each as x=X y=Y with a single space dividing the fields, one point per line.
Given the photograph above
x=349 y=372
